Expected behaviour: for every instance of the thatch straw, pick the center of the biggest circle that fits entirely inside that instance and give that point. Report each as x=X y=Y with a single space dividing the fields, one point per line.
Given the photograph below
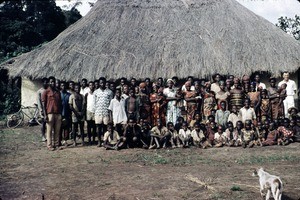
x=153 y=38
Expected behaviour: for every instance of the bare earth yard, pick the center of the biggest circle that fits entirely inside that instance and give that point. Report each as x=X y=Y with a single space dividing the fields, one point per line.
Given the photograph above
x=29 y=171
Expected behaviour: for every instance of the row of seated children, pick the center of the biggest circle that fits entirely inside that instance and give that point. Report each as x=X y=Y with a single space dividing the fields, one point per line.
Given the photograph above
x=201 y=135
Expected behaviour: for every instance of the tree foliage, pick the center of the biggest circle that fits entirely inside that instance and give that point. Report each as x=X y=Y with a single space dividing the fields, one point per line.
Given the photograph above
x=24 y=24
x=290 y=26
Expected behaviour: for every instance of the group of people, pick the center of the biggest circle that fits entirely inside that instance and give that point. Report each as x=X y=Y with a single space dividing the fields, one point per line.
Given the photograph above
x=153 y=114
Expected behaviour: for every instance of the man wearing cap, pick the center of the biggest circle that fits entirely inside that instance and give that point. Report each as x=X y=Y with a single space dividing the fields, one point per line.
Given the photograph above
x=290 y=92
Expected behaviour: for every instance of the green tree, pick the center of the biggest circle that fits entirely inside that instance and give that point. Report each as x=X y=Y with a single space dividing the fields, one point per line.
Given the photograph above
x=24 y=24
x=290 y=25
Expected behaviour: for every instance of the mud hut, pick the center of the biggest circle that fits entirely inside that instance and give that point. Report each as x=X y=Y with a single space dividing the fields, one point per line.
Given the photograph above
x=153 y=38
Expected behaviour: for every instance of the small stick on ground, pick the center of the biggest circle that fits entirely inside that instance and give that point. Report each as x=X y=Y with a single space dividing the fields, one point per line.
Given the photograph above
x=196 y=180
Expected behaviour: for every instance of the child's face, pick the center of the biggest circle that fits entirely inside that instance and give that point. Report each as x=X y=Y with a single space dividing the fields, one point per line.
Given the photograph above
x=283 y=86
x=109 y=129
x=239 y=125
x=118 y=93
x=252 y=87
x=230 y=127
x=248 y=126
x=92 y=86
x=271 y=127
x=220 y=130
x=213 y=125
x=184 y=126
x=76 y=88
x=198 y=117
x=234 y=109
x=171 y=127
x=259 y=125
x=197 y=128
x=223 y=105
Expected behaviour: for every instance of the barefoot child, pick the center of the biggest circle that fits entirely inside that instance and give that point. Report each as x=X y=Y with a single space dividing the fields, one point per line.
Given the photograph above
x=185 y=135
x=197 y=136
x=112 y=139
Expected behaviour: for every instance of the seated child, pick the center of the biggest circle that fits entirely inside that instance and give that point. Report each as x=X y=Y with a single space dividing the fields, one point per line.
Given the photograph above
x=197 y=135
x=185 y=135
x=295 y=125
x=145 y=133
x=197 y=118
x=286 y=134
x=159 y=136
x=233 y=116
x=210 y=134
x=220 y=137
x=174 y=135
x=112 y=140
x=272 y=137
x=229 y=133
x=248 y=135
x=237 y=134
x=132 y=133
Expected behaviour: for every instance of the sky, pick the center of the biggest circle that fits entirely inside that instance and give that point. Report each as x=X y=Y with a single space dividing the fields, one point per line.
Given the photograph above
x=269 y=9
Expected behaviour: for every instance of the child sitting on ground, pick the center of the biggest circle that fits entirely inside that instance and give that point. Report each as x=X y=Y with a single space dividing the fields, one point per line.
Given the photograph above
x=185 y=135
x=198 y=136
x=229 y=133
x=286 y=134
x=220 y=137
x=112 y=139
x=248 y=135
x=237 y=136
x=272 y=137
x=174 y=135
x=159 y=136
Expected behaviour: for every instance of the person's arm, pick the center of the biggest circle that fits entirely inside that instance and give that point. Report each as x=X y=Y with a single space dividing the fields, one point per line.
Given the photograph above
x=44 y=105
x=71 y=106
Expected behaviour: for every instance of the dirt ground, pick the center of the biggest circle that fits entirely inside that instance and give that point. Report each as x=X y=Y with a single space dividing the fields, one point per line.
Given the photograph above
x=29 y=171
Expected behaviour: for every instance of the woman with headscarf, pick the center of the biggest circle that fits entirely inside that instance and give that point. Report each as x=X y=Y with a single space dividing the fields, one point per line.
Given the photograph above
x=274 y=98
x=191 y=101
x=173 y=112
x=158 y=102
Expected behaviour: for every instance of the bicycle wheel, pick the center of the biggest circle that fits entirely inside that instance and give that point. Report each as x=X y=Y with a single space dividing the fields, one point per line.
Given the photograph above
x=39 y=120
x=14 y=120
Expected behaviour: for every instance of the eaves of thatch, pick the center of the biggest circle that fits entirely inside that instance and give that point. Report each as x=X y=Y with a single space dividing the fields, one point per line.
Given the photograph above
x=153 y=38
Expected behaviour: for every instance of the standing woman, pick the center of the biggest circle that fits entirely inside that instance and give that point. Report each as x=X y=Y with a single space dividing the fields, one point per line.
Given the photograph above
x=158 y=102
x=191 y=101
x=274 y=98
x=173 y=112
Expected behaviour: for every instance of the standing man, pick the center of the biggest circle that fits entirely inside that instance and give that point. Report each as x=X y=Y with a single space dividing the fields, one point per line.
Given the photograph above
x=102 y=98
x=290 y=92
x=51 y=99
x=40 y=106
x=65 y=114
x=259 y=85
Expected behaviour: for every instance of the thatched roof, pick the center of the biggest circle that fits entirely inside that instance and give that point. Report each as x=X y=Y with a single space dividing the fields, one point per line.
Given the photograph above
x=153 y=38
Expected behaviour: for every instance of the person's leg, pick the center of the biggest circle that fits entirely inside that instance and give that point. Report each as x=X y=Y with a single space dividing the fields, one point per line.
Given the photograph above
x=81 y=125
x=49 y=128
x=43 y=130
x=89 y=131
x=75 y=126
x=57 y=128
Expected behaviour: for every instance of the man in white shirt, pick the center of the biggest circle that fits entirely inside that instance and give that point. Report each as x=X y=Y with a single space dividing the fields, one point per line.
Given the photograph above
x=247 y=113
x=259 y=85
x=290 y=92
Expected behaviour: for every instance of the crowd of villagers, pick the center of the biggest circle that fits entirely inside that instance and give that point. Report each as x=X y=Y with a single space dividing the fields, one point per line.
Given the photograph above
x=227 y=111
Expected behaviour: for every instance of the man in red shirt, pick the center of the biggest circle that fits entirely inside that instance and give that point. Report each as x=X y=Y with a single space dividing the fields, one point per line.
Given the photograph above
x=51 y=100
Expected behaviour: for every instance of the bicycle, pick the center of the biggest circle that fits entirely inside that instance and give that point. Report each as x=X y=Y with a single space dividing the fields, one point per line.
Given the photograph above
x=31 y=112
